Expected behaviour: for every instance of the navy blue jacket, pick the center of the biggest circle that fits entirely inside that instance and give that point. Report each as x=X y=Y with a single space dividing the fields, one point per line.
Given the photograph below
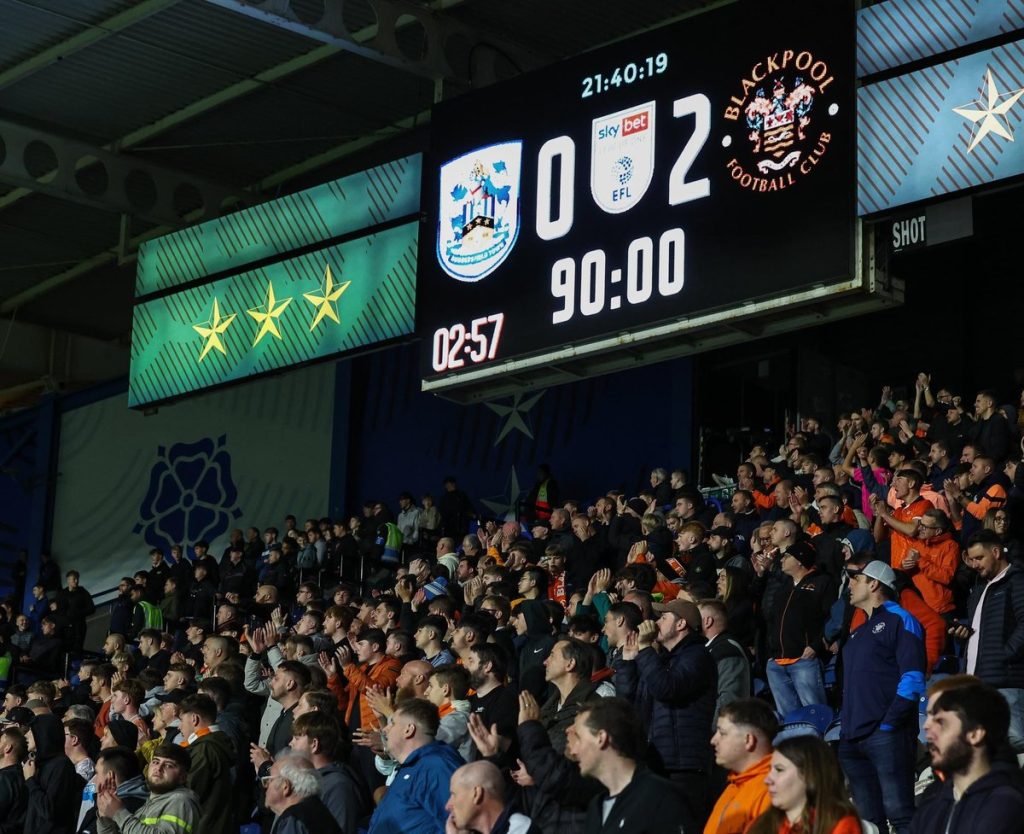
x=883 y=673
x=675 y=693
x=1001 y=647
x=415 y=802
x=992 y=804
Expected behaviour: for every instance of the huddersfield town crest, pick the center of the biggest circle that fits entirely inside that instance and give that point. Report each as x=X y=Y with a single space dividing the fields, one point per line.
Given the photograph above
x=622 y=157
x=479 y=210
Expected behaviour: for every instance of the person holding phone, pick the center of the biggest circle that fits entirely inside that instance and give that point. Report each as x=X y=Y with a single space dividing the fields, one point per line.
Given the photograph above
x=994 y=631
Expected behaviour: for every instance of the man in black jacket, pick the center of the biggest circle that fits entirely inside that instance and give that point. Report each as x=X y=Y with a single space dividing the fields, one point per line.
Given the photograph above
x=45 y=658
x=674 y=690
x=78 y=605
x=995 y=630
x=794 y=631
x=13 y=796
x=965 y=728
x=568 y=669
x=293 y=794
x=607 y=740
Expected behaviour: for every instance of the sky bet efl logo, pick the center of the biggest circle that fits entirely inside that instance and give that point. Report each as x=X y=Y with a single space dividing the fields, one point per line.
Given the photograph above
x=782 y=106
x=622 y=157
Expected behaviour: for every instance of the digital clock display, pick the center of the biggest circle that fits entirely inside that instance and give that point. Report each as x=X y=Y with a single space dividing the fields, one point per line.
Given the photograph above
x=701 y=166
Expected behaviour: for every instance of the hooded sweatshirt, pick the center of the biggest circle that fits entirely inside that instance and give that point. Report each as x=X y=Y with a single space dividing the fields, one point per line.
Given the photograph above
x=991 y=804
x=536 y=647
x=55 y=792
x=744 y=799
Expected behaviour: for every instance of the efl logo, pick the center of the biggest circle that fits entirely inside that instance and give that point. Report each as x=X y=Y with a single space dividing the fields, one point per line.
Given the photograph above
x=622 y=157
x=635 y=123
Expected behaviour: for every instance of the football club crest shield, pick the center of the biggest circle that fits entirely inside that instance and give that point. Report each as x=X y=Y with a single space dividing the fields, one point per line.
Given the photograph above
x=622 y=157
x=478 y=218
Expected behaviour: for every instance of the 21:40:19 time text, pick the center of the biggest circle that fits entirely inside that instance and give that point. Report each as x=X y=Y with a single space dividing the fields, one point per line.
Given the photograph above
x=629 y=74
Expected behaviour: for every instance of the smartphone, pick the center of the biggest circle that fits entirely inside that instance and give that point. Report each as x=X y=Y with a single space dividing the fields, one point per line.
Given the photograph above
x=962 y=624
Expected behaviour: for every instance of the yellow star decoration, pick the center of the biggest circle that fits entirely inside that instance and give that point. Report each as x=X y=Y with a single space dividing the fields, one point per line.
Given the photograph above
x=992 y=117
x=325 y=301
x=268 y=314
x=213 y=330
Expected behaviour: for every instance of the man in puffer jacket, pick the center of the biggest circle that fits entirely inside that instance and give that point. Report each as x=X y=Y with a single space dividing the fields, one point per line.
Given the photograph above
x=674 y=691
x=171 y=809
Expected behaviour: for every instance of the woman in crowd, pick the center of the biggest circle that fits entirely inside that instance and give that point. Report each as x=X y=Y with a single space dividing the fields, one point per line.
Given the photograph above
x=807 y=791
x=998 y=520
x=734 y=591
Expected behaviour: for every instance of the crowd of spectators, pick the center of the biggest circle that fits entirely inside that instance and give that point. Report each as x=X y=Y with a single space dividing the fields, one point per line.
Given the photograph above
x=832 y=642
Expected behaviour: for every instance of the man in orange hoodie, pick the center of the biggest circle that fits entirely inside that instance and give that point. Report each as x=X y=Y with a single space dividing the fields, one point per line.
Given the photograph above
x=743 y=745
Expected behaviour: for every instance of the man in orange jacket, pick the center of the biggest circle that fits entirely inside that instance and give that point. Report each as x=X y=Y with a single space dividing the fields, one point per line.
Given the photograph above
x=933 y=560
x=371 y=668
x=743 y=745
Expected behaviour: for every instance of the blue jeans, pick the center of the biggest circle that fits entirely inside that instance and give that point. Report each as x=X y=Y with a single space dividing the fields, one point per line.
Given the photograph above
x=1015 y=698
x=880 y=769
x=796 y=685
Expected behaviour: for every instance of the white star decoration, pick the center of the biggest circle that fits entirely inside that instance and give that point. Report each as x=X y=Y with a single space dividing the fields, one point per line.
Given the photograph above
x=506 y=507
x=514 y=415
x=990 y=114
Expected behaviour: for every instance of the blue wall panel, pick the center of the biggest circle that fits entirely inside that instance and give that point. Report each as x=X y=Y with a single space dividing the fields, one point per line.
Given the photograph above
x=597 y=434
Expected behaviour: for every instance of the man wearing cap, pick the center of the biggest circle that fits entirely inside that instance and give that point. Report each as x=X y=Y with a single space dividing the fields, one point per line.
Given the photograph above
x=795 y=631
x=171 y=809
x=884 y=671
x=675 y=691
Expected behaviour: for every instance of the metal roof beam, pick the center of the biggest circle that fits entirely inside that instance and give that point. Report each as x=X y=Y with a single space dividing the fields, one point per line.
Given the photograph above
x=407 y=36
x=111 y=255
x=93 y=33
x=228 y=94
x=72 y=170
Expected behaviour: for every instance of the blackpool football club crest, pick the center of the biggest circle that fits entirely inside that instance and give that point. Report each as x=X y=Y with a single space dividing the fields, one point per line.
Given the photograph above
x=622 y=157
x=784 y=107
x=478 y=220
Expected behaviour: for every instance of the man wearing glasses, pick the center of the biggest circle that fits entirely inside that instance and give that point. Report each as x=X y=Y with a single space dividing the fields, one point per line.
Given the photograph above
x=293 y=794
x=932 y=560
x=171 y=808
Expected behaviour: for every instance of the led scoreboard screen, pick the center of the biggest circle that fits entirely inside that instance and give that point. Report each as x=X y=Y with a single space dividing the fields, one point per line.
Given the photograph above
x=698 y=167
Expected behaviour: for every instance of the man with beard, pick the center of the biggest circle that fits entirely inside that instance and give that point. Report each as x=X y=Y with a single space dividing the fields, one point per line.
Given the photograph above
x=171 y=809
x=965 y=728
x=493 y=703
x=412 y=680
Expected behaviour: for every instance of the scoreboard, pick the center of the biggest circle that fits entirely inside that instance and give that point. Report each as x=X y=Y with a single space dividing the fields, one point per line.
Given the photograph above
x=705 y=165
